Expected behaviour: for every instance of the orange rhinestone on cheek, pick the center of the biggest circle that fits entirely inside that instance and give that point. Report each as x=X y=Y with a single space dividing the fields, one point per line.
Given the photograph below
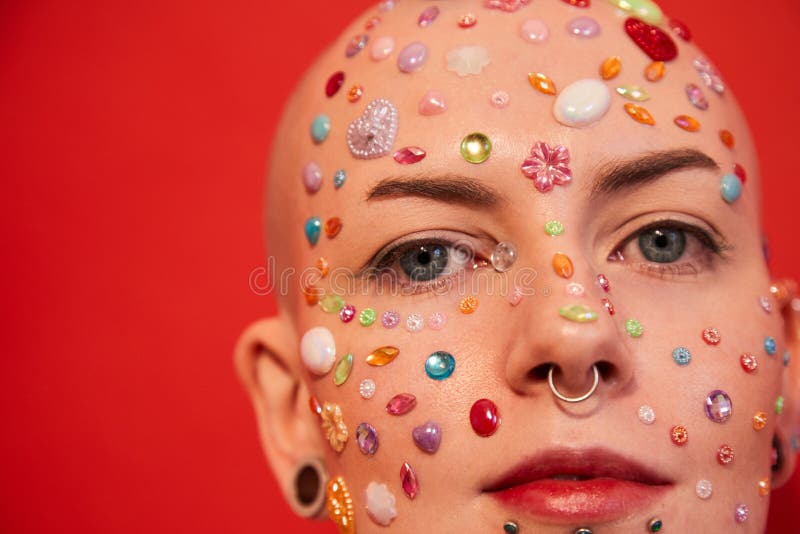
x=639 y=114
x=542 y=83
x=340 y=506
x=759 y=420
x=562 y=265
x=688 y=123
x=727 y=138
x=311 y=295
x=468 y=305
x=654 y=71
x=333 y=226
x=679 y=435
x=322 y=265
x=611 y=67
x=354 y=94
x=763 y=487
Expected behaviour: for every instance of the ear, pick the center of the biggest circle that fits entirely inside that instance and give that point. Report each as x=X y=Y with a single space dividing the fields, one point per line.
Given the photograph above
x=787 y=422
x=267 y=362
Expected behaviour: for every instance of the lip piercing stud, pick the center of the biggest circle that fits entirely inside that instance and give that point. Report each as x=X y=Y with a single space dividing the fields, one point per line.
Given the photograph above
x=573 y=399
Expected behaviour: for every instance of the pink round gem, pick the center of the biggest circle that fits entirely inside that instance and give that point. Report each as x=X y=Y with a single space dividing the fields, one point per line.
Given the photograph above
x=534 y=31
x=467 y=20
x=583 y=27
x=347 y=313
x=390 y=319
x=412 y=57
x=749 y=362
x=432 y=103
x=500 y=99
x=484 y=418
x=711 y=336
x=312 y=177
x=574 y=289
x=437 y=320
x=381 y=48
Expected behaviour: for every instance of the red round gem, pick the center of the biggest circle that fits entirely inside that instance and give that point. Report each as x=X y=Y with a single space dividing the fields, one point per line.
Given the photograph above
x=749 y=362
x=711 y=336
x=680 y=29
x=725 y=454
x=578 y=3
x=484 y=417
x=652 y=40
x=679 y=435
x=335 y=83
x=738 y=170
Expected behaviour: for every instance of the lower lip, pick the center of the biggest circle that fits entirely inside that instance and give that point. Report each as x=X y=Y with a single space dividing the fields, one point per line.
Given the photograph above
x=597 y=499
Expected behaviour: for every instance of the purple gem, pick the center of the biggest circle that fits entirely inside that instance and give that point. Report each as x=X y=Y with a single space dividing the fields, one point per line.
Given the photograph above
x=356 y=45
x=696 y=97
x=347 y=313
x=742 y=513
x=367 y=438
x=583 y=27
x=428 y=16
x=427 y=436
x=412 y=57
x=312 y=177
x=718 y=406
x=390 y=319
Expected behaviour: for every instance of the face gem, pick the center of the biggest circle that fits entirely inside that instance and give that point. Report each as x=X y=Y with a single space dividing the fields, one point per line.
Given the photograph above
x=343 y=368
x=742 y=513
x=509 y=6
x=554 y=228
x=366 y=388
x=499 y=99
x=333 y=226
x=432 y=103
x=578 y=3
x=333 y=426
x=382 y=48
x=633 y=328
x=468 y=305
x=654 y=525
x=727 y=138
x=312 y=229
x=468 y=20
x=779 y=405
x=372 y=134
x=401 y=404
x=633 y=92
x=759 y=421
x=696 y=97
x=687 y=122
x=646 y=10
x=725 y=454
x=652 y=40
x=534 y=31
x=334 y=83
x=318 y=350
x=367 y=438
x=709 y=75
x=647 y=415
x=440 y=365
x=583 y=27
x=476 y=148
x=765 y=304
x=770 y=346
x=382 y=356
x=730 y=188
x=340 y=506
x=682 y=356
x=515 y=296
x=562 y=265
x=711 y=336
x=504 y=256
x=509 y=527
x=542 y=83
x=639 y=114
x=578 y=313
x=367 y=317
x=749 y=362
x=610 y=67
x=386 y=5
x=603 y=282
x=574 y=289
x=484 y=417
x=331 y=303
x=380 y=504
x=338 y=178
x=372 y=22
x=415 y=322
x=312 y=177
x=390 y=319
x=408 y=479
x=608 y=306
x=763 y=487
x=582 y=103
x=354 y=94
x=703 y=489
x=314 y=405
x=427 y=17
x=311 y=294
x=547 y=166
x=356 y=45
x=654 y=71
x=427 y=437
x=679 y=435
x=437 y=320
x=409 y=155
x=680 y=29
x=719 y=407
x=467 y=60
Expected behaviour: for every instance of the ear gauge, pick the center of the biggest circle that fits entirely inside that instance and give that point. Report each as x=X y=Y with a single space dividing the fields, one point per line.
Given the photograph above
x=307 y=496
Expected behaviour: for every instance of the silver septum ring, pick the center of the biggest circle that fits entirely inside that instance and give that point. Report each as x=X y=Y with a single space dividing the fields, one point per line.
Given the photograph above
x=573 y=399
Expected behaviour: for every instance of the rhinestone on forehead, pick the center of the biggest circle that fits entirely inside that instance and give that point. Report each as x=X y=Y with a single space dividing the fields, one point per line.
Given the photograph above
x=372 y=134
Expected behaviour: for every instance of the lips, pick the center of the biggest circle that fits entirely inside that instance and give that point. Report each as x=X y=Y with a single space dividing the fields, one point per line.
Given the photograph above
x=568 y=485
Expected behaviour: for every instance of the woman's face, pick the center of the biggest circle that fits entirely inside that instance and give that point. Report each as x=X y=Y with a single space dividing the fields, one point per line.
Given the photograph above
x=643 y=208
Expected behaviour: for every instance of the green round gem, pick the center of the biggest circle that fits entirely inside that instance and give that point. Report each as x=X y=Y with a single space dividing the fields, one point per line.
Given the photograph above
x=367 y=316
x=554 y=228
x=476 y=147
x=509 y=527
x=633 y=327
x=331 y=303
x=779 y=405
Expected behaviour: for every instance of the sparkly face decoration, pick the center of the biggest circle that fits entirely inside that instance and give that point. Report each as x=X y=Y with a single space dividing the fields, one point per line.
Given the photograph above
x=498 y=222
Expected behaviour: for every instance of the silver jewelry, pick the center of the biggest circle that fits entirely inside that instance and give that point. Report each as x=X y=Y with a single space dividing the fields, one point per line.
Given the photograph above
x=573 y=399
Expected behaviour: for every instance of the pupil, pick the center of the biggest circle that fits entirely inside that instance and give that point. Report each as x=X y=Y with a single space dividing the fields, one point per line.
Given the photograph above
x=424 y=257
x=661 y=240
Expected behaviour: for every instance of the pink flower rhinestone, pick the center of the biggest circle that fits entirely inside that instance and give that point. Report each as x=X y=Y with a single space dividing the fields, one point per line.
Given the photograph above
x=509 y=6
x=547 y=166
x=390 y=319
x=711 y=336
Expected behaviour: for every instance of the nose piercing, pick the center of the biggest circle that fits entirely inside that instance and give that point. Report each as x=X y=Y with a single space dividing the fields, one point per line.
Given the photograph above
x=573 y=399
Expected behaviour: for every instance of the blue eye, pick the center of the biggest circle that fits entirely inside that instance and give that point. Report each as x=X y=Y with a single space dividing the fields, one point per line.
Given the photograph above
x=424 y=262
x=662 y=245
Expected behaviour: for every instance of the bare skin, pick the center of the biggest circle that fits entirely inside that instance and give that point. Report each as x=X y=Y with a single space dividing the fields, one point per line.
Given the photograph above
x=503 y=352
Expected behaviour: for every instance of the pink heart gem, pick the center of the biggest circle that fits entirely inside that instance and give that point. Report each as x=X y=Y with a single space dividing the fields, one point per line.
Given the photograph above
x=372 y=134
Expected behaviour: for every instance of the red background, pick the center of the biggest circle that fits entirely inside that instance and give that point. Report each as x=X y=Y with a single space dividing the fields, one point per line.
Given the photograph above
x=134 y=137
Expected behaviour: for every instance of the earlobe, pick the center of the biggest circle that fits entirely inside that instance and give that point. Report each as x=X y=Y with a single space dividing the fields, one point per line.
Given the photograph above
x=267 y=363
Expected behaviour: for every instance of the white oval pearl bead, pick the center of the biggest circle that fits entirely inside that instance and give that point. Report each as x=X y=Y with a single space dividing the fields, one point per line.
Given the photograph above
x=582 y=103
x=318 y=350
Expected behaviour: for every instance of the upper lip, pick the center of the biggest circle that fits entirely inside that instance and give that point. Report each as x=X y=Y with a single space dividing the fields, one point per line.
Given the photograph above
x=583 y=463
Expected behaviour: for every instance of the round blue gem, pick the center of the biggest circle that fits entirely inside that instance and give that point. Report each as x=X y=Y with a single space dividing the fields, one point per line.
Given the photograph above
x=320 y=127
x=731 y=188
x=440 y=365
x=786 y=357
x=770 y=346
x=339 y=178
x=682 y=356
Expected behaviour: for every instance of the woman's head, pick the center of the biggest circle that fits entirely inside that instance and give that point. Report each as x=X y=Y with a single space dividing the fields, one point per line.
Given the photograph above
x=624 y=178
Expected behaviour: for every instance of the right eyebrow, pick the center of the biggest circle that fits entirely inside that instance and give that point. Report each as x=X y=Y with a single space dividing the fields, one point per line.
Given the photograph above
x=446 y=188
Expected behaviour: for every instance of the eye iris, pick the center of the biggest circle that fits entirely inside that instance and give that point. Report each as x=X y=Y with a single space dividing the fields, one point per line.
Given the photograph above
x=662 y=245
x=424 y=262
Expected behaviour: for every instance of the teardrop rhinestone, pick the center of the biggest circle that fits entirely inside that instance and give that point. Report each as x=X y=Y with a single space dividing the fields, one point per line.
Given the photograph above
x=401 y=404
x=687 y=122
x=654 y=71
x=440 y=365
x=334 y=83
x=409 y=155
x=652 y=40
x=382 y=356
x=312 y=229
x=578 y=313
x=696 y=96
x=639 y=114
x=367 y=438
x=356 y=45
x=427 y=17
x=408 y=479
x=342 y=371
x=333 y=226
x=633 y=92
x=432 y=103
x=719 y=407
x=562 y=265
x=727 y=138
x=610 y=67
x=542 y=83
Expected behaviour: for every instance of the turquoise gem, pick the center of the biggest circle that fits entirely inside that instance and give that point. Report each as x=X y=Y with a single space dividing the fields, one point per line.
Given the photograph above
x=731 y=188
x=339 y=178
x=509 y=527
x=320 y=127
x=440 y=365
x=770 y=346
x=682 y=356
x=312 y=229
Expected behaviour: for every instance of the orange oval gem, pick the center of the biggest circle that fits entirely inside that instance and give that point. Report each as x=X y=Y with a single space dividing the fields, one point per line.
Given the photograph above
x=654 y=71
x=611 y=67
x=311 y=295
x=727 y=138
x=688 y=123
x=382 y=356
x=468 y=305
x=562 y=265
x=333 y=226
x=354 y=94
x=759 y=420
x=542 y=83
x=639 y=114
x=322 y=265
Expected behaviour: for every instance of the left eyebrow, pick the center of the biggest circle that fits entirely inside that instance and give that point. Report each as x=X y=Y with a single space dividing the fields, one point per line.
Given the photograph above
x=447 y=189
x=618 y=176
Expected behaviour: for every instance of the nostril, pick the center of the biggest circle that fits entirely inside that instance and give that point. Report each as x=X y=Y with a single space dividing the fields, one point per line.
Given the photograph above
x=607 y=370
x=540 y=371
